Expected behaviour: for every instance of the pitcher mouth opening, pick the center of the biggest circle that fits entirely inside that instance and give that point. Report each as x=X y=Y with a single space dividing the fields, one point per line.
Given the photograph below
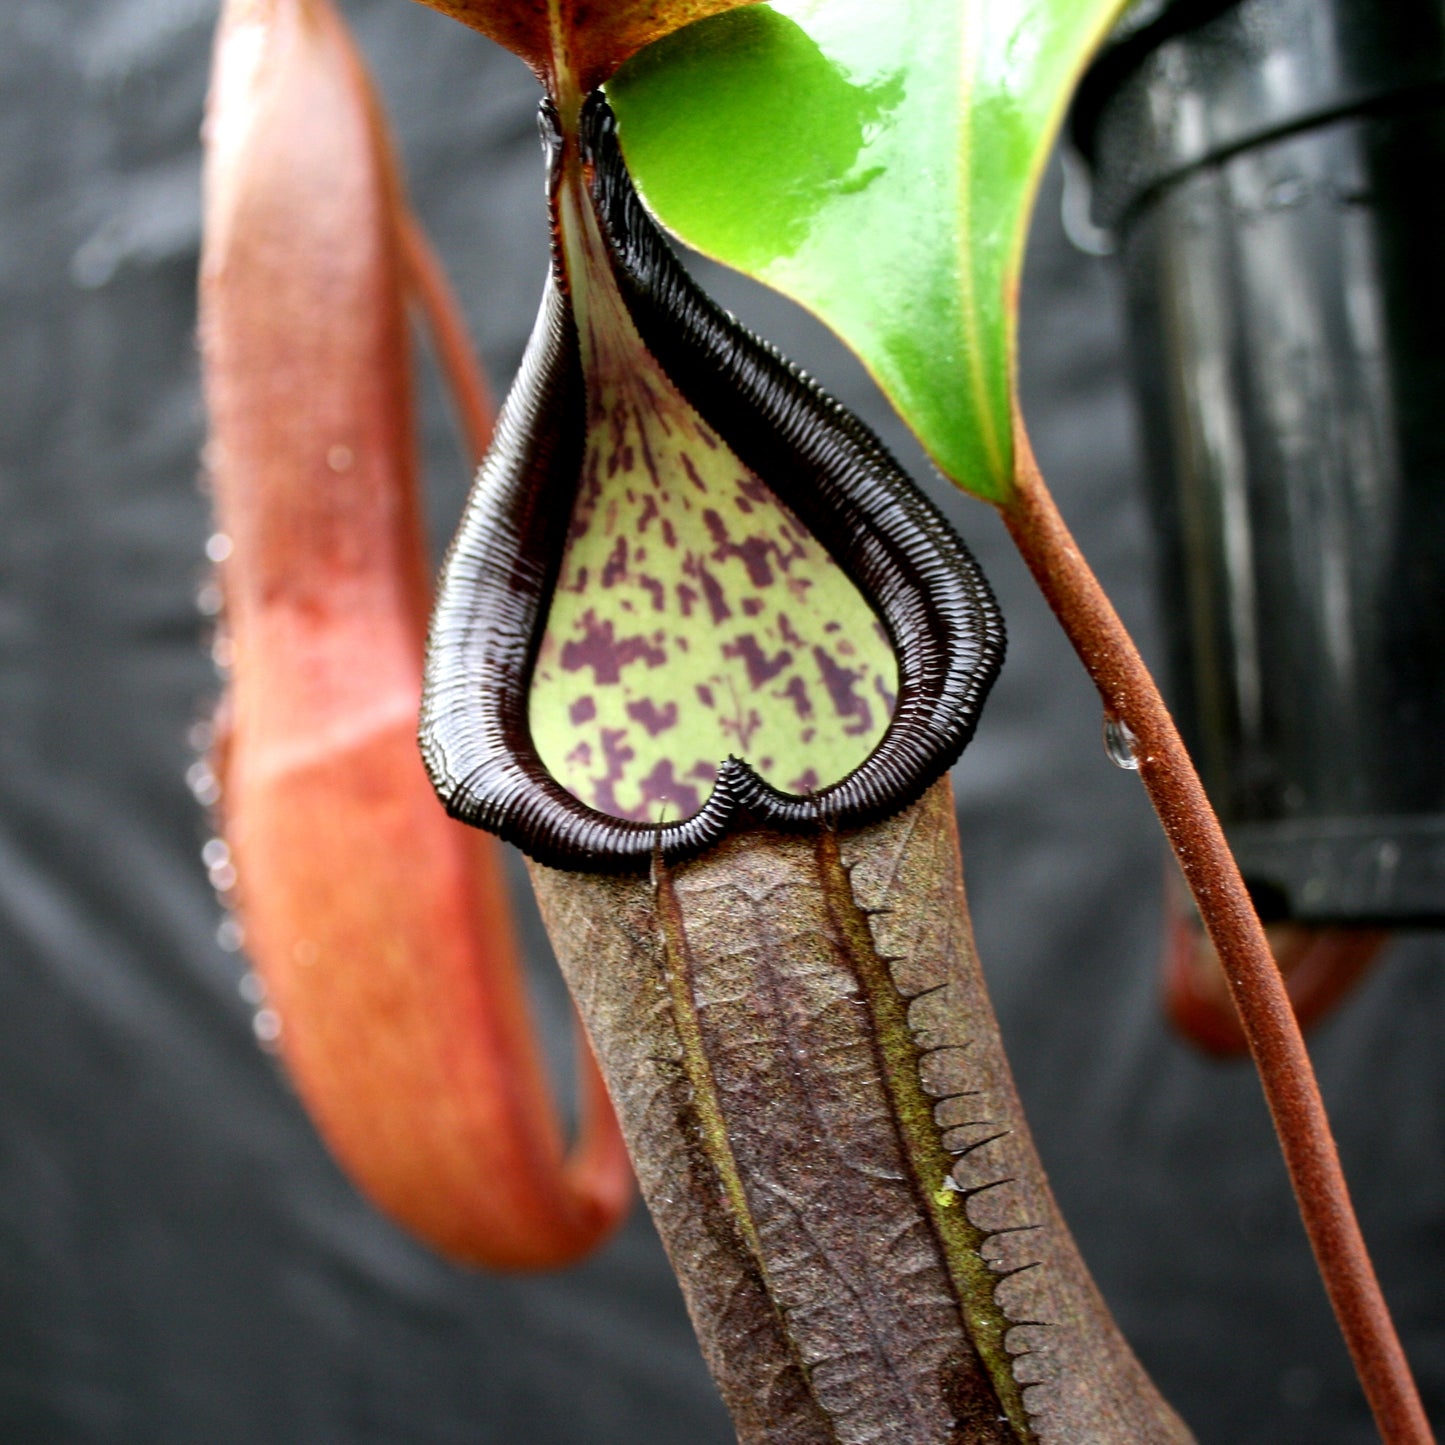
x=690 y=591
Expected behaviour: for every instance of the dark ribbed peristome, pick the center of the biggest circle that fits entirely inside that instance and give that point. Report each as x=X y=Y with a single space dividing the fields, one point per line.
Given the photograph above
x=820 y=461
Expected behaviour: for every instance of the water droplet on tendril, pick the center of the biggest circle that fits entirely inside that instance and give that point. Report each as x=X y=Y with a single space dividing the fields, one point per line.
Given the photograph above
x=202 y=783
x=1120 y=743
x=267 y=1027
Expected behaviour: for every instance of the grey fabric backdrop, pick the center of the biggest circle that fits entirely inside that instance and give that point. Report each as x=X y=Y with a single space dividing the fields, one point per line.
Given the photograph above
x=179 y=1260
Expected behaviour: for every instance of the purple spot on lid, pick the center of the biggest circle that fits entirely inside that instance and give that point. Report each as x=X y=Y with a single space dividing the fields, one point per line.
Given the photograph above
x=653 y=588
x=741 y=726
x=796 y=693
x=587 y=495
x=654 y=719
x=752 y=606
x=691 y=471
x=706 y=771
x=788 y=631
x=578 y=583
x=807 y=783
x=647 y=457
x=669 y=533
x=753 y=552
x=661 y=786
x=847 y=702
x=581 y=755
x=886 y=694
x=616 y=755
x=583 y=710
x=704 y=695
x=606 y=654
x=717 y=603
x=648 y=512
x=707 y=438
x=616 y=568
x=686 y=598
x=761 y=668
x=832 y=627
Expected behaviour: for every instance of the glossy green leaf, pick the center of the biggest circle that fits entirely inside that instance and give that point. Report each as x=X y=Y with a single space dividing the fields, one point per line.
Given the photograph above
x=876 y=160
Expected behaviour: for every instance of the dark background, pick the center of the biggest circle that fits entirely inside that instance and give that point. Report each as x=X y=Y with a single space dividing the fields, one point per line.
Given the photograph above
x=179 y=1260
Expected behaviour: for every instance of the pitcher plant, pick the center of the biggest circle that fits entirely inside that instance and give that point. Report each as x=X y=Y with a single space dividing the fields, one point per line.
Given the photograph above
x=703 y=652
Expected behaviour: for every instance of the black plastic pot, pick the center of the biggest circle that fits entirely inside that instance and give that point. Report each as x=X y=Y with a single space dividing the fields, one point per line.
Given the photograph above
x=1274 y=172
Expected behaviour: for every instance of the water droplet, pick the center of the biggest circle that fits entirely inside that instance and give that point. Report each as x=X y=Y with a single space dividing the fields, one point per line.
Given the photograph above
x=96 y=260
x=223 y=651
x=1286 y=192
x=267 y=1026
x=202 y=783
x=1120 y=742
x=339 y=458
x=201 y=737
x=209 y=599
x=215 y=852
x=218 y=547
x=223 y=877
x=230 y=935
x=1076 y=210
x=252 y=988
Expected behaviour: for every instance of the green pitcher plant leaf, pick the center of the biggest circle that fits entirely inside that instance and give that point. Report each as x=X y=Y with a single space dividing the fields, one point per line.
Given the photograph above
x=875 y=160
x=690 y=589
